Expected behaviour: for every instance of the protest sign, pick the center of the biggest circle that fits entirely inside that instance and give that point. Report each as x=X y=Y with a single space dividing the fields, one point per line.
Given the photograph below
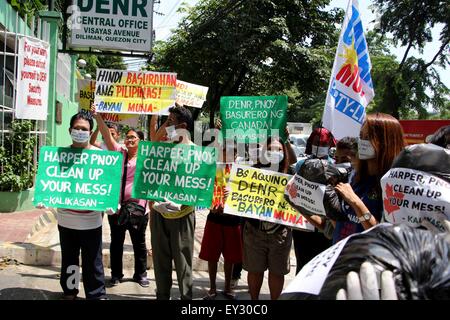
x=78 y=178
x=189 y=94
x=117 y=25
x=305 y=195
x=180 y=173
x=222 y=177
x=259 y=194
x=134 y=92
x=312 y=276
x=85 y=97
x=253 y=119
x=411 y=196
x=32 y=79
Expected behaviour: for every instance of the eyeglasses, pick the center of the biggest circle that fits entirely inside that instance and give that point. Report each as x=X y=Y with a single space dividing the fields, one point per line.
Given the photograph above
x=131 y=138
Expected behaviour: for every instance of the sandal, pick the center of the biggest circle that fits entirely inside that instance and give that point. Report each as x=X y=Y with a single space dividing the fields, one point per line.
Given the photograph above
x=229 y=295
x=210 y=296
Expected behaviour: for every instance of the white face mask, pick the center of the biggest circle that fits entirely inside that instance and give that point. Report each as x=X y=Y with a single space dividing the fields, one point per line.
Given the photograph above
x=274 y=156
x=79 y=136
x=365 y=150
x=171 y=133
x=320 y=152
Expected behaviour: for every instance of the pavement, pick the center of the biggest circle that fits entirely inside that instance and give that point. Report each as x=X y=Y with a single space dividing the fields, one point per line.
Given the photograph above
x=30 y=257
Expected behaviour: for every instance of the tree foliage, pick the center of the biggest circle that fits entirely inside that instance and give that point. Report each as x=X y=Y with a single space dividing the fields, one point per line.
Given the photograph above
x=405 y=89
x=252 y=47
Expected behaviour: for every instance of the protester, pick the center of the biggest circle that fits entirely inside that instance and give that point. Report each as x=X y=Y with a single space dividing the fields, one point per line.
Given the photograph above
x=267 y=245
x=346 y=151
x=113 y=129
x=381 y=140
x=308 y=244
x=345 y=156
x=133 y=213
x=81 y=230
x=222 y=233
x=172 y=226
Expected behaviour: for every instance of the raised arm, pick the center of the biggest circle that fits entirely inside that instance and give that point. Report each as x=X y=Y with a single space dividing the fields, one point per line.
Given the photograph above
x=290 y=151
x=157 y=134
x=93 y=140
x=111 y=144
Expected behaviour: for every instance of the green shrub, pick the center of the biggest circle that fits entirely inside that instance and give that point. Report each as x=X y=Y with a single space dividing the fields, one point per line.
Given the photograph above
x=17 y=169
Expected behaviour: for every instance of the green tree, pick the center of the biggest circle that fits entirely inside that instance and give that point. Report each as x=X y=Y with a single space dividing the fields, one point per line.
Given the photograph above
x=251 y=47
x=108 y=62
x=408 y=87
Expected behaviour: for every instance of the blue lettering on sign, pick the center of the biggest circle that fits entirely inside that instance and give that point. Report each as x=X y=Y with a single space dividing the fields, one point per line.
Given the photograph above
x=355 y=29
x=348 y=106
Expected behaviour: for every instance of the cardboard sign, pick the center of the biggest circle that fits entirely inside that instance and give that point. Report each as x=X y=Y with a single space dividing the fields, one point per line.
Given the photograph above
x=192 y=95
x=134 y=92
x=411 y=196
x=259 y=194
x=112 y=24
x=180 y=173
x=85 y=97
x=304 y=194
x=222 y=178
x=313 y=275
x=78 y=178
x=32 y=79
x=253 y=119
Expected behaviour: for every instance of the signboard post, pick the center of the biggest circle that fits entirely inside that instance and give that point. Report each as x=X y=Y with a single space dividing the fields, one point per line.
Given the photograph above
x=112 y=24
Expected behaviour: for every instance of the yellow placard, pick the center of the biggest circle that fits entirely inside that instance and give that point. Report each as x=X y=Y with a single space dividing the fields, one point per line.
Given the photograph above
x=190 y=94
x=259 y=194
x=134 y=92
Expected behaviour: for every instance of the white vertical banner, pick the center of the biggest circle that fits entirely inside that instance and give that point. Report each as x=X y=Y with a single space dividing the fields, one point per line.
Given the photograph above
x=350 y=89
x=32 y=79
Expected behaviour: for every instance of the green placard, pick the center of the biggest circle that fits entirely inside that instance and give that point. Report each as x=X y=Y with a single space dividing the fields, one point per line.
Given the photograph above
x=180 y=173
x=253 y=119
x=78 y=178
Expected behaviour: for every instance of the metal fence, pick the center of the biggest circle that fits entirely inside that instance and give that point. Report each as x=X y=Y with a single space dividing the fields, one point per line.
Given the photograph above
x=13 y=130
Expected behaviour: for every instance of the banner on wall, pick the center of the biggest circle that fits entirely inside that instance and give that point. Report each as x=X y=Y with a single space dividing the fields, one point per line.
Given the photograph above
x=259 y=194
x=134 y=92
x=253 y=119
x=181 y=173
x=32 y=79
x=78 y=179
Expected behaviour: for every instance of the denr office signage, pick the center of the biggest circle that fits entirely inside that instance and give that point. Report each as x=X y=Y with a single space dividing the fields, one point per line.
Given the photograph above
x=124 y=25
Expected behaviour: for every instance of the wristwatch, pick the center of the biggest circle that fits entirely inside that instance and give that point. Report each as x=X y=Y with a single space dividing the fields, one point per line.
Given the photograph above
x=365 y=217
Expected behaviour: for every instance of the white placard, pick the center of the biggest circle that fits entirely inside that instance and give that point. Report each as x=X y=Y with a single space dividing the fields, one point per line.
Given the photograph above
x=410 y=196
x=313 y=275
x=190 y=94
x=32 y=79
x=306 y=194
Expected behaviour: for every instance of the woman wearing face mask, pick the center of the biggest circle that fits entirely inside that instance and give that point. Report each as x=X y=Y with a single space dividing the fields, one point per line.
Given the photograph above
x=118 y=231
x=81 y=230
x=267 y=245
x=318 y=145
x=381 y=140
